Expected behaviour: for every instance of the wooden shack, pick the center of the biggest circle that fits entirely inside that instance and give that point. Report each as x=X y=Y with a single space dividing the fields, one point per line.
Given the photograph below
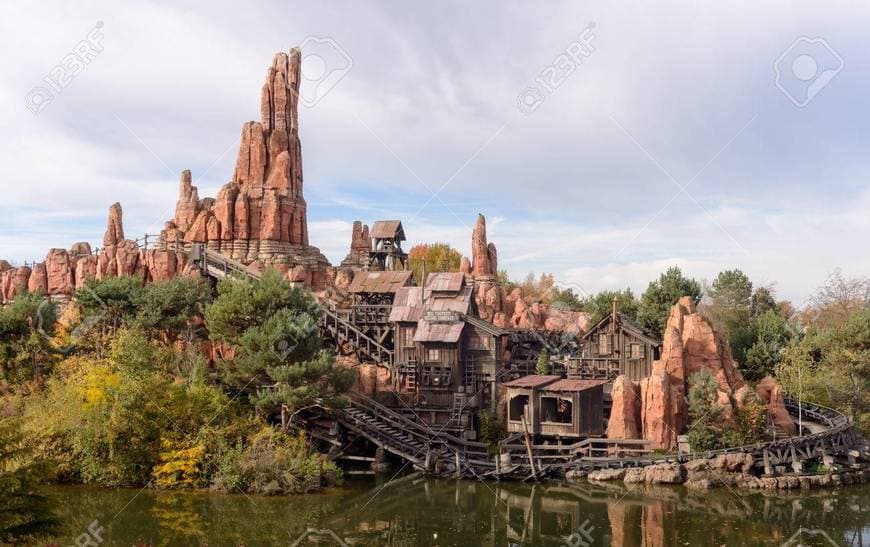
x=446 y=359
x=555 y=407
x=613 y=346
x=387 y=254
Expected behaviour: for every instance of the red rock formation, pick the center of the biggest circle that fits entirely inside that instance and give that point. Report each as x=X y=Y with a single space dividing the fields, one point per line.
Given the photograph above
x=60 y=272
x=82 y=248
x=657 y=411
x=360 y=246
x=261 y=214
x=625 y=410
x=38 y=280
x=770 y=393
x=483 y=255
x=86 y=268
x=115 y=229
x=691 y=345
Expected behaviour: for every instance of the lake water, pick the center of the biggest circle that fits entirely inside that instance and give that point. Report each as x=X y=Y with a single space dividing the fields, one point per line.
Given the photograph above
x=447 y=512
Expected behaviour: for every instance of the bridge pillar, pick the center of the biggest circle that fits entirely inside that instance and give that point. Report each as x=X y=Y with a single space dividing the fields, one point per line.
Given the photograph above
x=796 y=464
x=768 y=470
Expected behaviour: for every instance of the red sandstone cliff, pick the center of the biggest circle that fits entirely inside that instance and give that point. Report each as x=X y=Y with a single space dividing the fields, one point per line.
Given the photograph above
x=690 y=345
x=260 y=215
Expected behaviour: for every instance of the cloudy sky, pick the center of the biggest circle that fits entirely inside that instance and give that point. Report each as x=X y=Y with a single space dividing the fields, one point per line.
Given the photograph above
x=603 y=142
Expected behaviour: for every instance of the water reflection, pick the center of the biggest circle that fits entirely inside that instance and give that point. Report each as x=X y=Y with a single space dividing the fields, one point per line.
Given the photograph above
x=429 y=512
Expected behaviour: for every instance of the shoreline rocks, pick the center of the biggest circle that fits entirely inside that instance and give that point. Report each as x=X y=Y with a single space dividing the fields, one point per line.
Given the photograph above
x=729 y=470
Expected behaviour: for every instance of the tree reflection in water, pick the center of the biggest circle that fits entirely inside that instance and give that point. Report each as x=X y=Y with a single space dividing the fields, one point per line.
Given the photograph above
x=415 y=511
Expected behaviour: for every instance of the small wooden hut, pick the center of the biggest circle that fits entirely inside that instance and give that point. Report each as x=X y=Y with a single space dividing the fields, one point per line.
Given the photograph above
x=555 y=407
x=613 y=346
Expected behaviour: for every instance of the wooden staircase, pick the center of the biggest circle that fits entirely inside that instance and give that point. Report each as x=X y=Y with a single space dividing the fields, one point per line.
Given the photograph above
x=332 y=323
x=342 y=331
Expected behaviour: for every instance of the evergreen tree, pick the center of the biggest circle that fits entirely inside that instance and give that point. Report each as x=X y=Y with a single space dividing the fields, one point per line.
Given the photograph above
x=661 y=295
x=273 y=328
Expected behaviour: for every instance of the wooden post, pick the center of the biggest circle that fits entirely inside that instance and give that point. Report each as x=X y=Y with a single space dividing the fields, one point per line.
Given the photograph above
x=796 y=464
x=767 y=469
x=458 y=465
x=528 y=445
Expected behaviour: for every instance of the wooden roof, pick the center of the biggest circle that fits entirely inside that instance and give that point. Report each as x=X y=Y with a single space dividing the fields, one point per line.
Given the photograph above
x=574 y=385
x=445 y=281
x=407 y=305
x=388 y=229
x=627 y=324
x=438 y=332
x=380 y=282
x=533 y=381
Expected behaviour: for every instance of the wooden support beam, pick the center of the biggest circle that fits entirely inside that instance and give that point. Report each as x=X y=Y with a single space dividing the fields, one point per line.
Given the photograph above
x=528 y=445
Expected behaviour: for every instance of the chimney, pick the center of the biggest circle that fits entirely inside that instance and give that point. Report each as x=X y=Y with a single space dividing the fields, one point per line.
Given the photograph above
x=613 y=315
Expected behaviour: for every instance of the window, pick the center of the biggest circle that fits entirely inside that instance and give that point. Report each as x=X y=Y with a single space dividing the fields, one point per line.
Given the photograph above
x=605 y=344
x=556 y=410
x=517 y=408
x=435 y=376
x=408 y=337
x=433 y=354
x=478 y=342
x=636 y=351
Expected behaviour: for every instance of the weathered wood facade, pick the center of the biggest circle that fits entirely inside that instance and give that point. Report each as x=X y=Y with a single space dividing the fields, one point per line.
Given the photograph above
x=555 y=407
x=446 y=359
x=615 y=345
x=387 y=254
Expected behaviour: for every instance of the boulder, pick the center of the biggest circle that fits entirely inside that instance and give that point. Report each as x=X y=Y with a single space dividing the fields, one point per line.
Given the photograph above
x=82 y=248
x=665 y=473
x=606 y=475
x=634 y=475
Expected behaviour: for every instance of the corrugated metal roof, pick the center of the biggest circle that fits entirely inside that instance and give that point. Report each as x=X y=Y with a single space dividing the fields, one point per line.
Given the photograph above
x=574 y=385
x=459 y=302
x=407 y=305
x=388 y=229
x=533 y=381
x=445 y=281
x=379 y=282
x=438 y=332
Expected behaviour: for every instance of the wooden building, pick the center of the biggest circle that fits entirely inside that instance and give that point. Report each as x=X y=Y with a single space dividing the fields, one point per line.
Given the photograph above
x=446 y=359
x=553 y=406
x=387 y=254
x=613 y=346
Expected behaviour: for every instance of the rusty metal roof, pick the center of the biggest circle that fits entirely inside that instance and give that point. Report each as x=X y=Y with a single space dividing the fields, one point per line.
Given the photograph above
x=388 y=229
x=533 y=381
x=445 y=281
x=574 y=385
x=380 y=282
x=438 y=332
x=407 y=305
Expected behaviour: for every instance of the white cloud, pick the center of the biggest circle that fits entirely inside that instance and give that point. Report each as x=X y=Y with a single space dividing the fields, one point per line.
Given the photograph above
x=565 y=189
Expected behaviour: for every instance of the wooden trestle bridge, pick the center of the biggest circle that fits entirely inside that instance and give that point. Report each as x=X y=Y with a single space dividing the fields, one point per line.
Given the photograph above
x=433 y=449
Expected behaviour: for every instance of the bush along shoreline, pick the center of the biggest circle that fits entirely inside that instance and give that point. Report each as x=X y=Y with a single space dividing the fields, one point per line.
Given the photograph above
x=169 y=385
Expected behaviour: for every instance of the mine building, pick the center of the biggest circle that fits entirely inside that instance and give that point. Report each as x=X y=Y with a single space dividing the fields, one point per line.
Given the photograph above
x=387 y=254
x=613 y=346
x=552 y=406
x=447 y=360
